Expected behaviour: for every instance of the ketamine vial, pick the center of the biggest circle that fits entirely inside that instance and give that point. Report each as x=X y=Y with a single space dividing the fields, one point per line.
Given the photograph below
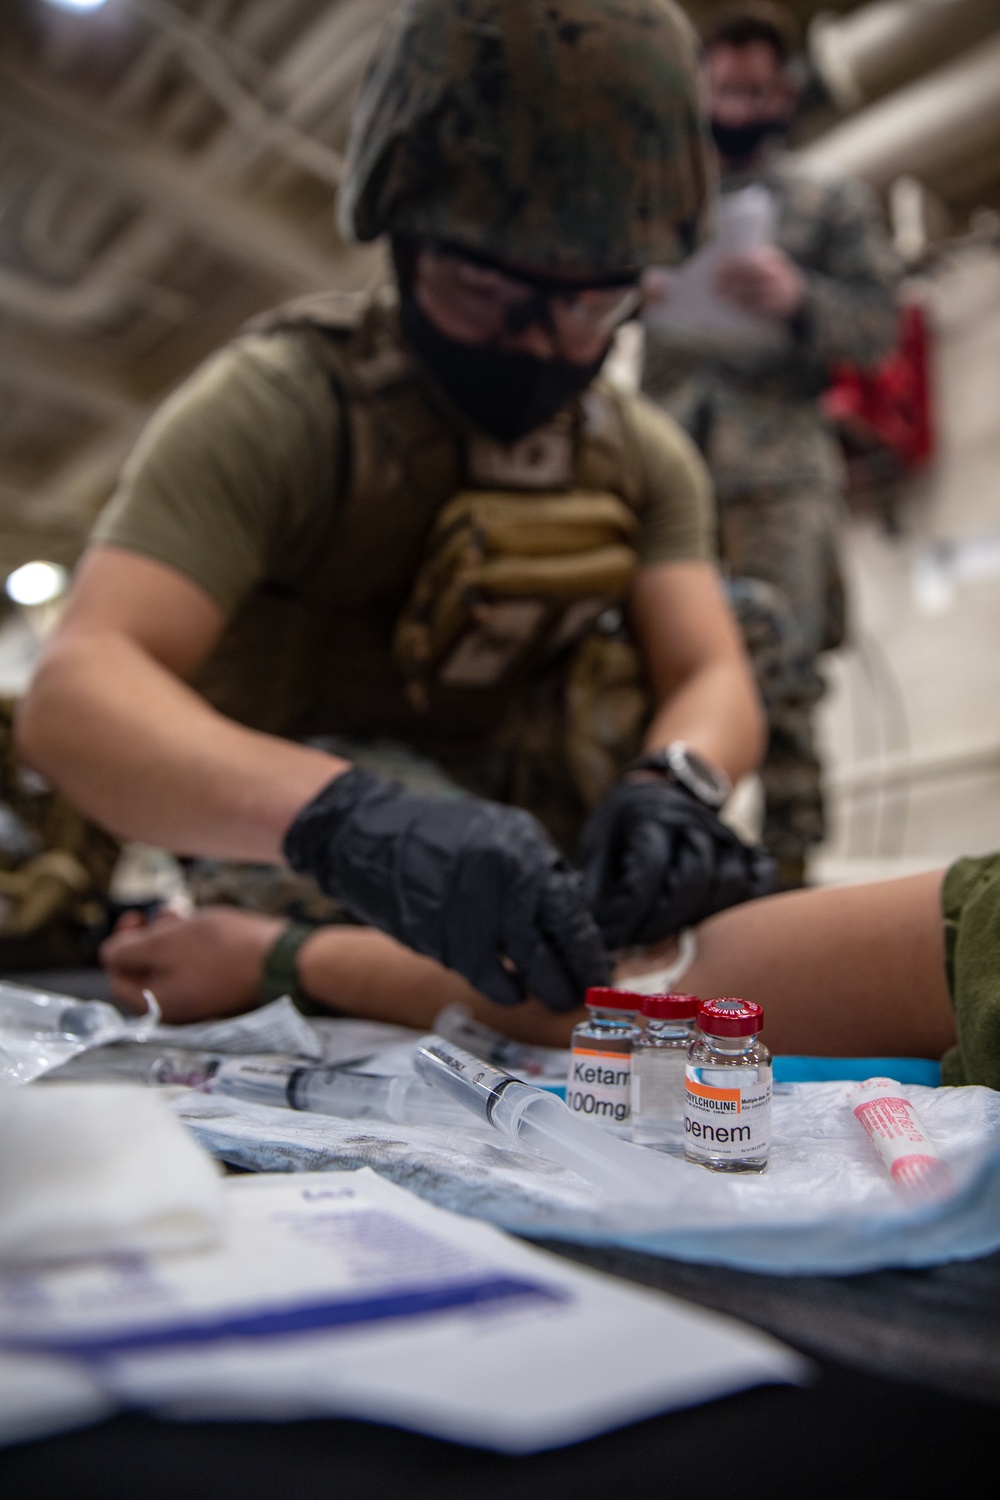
x=659 y=1062
x=727 y=1095
x=600 y=1066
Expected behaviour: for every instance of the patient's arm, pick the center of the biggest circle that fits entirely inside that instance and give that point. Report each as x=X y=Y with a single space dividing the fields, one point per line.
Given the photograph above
x=210 y=964
x=855 y=970
x=841 y=971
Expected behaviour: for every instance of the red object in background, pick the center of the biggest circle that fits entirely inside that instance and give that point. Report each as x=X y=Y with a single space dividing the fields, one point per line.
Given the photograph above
x=889 y=407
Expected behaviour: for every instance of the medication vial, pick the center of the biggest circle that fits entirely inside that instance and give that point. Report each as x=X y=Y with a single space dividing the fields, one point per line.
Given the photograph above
x=600 y=1066
x=727 y=1095
x=659 y=1061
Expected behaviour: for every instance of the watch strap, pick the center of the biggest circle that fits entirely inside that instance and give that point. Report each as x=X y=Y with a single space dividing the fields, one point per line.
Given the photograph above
x=280 y=974
x=717 y=786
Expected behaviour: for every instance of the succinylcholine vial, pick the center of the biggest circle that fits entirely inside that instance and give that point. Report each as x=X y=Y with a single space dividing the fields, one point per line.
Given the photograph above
x=727 y=1095
x=659 y=1061
x=600 y=1066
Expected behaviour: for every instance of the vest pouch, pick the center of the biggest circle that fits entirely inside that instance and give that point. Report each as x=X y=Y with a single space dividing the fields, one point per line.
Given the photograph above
x=507 y=576
x=608 y=704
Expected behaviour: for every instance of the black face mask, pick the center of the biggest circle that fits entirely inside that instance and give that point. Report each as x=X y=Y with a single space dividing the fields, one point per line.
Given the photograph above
x=741 y=142
x=505 y=393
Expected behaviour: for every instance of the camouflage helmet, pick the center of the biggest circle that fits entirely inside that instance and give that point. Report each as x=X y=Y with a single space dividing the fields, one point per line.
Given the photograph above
x=558 y=134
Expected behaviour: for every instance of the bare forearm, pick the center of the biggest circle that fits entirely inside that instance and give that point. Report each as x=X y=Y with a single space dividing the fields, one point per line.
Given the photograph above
x=844 y=971
x=717 y=713
x=848 y=971
x=365 y=973
x=143 y=755
x=702 y=682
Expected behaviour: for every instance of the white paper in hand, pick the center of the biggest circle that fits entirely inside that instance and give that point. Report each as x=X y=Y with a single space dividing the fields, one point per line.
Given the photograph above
x=745 y=221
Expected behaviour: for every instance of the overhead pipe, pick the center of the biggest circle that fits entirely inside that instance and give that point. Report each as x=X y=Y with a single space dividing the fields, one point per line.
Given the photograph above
x=931 y=128
x=123 y=276
x=114 y=283
x=870 y=51
x=165 y=183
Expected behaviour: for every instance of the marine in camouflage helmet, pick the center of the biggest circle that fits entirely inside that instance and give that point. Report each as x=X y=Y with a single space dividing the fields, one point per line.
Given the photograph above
x=560 y=136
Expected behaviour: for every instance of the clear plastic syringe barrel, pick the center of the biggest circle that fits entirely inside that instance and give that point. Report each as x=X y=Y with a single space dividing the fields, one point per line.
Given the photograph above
x=331 y=1091
x=537 y=1121
x=359 y=1096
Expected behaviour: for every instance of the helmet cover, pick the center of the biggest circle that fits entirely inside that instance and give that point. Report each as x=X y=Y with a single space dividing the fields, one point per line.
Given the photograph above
x=559 y=135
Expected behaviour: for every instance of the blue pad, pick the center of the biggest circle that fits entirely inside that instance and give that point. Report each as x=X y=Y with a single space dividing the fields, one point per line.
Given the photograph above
x=826 y=1069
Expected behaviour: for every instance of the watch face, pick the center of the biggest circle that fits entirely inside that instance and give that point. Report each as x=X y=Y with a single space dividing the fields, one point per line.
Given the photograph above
x=694 y=772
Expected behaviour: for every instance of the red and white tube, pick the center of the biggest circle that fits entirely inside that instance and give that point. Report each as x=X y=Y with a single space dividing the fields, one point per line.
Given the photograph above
x=891 y=1124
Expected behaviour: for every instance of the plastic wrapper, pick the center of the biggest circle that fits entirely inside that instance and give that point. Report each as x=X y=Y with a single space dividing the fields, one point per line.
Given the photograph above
x=39 y=1030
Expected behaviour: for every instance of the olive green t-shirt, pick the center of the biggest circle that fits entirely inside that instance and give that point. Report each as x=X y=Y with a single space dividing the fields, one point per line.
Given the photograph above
x=227 y=480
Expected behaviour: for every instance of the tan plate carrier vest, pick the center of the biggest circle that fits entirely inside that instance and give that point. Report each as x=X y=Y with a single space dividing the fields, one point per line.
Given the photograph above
x=433 y=609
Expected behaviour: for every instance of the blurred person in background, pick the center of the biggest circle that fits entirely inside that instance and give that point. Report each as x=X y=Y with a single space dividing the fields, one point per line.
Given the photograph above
x=415 y=539
x=827 y=286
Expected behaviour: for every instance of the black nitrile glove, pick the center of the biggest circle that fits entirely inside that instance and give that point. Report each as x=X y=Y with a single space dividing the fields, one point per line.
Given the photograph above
x=655 y=859
x=467 y=882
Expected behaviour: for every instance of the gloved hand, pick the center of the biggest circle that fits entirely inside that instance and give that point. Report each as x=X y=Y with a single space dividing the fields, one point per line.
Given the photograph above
x=468 y=882
x=655 y=859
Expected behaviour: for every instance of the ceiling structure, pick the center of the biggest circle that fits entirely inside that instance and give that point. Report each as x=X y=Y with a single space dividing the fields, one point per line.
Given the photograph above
x=166 y=171
x=168 y=168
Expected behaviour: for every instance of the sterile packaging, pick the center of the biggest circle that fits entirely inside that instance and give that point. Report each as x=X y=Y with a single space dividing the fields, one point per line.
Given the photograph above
x=825 y=1205
x=890 y=1122
x=531 y=1063
x=339 y=1294
x=277 y=1027
x=39 y=1030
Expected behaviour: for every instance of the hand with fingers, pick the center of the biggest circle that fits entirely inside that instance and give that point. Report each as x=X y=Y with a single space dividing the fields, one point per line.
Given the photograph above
x=478 y=886
x=202 y=966
x=764 y=281
x=656 y=859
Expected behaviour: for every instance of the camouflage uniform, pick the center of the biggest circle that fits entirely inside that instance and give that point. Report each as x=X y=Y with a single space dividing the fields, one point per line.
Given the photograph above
x=55 y=869
x=776 y=466
x=564 y=138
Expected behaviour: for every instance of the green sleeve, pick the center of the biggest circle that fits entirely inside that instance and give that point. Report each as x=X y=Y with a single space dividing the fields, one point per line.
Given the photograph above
x=678 y=521
x=850 y=307
x=226 y=482
x=970 y=908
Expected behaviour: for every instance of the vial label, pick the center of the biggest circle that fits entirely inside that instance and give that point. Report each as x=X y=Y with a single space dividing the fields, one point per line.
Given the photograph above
x=600 y=1084
x=658 y=1078
x=731 y=1121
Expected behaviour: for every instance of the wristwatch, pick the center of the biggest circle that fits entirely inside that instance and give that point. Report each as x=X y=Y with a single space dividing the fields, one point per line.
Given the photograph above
x=280 y=974
x=678 y=762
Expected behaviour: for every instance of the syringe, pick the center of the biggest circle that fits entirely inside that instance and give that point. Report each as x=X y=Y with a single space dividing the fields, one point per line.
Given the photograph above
x=332 y=1091
x=538 y=1122
x=449 y=1083
x=274 y=1080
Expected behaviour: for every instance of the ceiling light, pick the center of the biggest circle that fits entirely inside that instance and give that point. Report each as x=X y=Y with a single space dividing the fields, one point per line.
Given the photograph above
x=36 y=583
x=76 y=4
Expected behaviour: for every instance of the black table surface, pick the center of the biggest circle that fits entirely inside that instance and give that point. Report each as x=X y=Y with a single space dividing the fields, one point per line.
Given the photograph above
x=906 y=1394
x=848 y=1435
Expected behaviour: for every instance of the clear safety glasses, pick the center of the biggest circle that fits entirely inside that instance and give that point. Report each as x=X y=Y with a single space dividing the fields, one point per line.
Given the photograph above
x=491 y=302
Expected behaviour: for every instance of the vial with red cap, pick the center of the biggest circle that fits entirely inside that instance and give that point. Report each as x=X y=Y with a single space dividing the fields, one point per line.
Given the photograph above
x=659 y=1059
x=727 y=1092
x=600 y=1063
